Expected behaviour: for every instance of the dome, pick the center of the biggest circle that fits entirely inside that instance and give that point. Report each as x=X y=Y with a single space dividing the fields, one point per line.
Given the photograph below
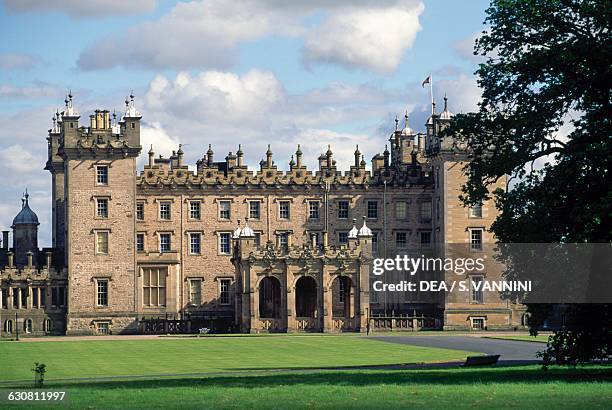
x=446 y=114
x=236 y=234
x=364 y=230
x=247 y=231
x=353 y=232
x=26 y=216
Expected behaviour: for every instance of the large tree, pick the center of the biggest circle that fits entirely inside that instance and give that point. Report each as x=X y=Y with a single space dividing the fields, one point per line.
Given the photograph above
x=544 y=120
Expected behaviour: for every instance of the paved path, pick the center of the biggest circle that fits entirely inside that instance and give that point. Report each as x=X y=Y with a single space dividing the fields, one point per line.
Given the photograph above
x=510 y=350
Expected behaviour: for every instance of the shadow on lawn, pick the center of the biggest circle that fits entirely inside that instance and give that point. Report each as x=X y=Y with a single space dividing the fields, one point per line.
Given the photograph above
x=454 y=376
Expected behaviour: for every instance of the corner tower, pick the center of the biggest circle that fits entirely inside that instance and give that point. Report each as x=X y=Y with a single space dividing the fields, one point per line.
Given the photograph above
x=99 y=164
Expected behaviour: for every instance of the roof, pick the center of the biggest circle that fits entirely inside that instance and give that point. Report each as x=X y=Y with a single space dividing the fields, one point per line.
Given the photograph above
x=26 y=216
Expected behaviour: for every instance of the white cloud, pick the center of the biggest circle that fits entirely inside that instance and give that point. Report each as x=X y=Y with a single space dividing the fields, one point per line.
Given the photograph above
x=206 y=34
x=12 y=61
x=81 y=8
x=195 y=34
x=16 y=158
x=373 y=38
x=254 y=109
x=43 y=90
x=154 y=135
x=217 y=96
x=463 y=92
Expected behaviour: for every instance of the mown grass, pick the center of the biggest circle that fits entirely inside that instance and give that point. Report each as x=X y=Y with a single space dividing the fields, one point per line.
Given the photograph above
x=163 y=356
x=457 y=388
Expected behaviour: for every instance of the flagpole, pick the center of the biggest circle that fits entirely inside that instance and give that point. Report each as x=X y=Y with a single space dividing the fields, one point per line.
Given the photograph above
x=431 y=93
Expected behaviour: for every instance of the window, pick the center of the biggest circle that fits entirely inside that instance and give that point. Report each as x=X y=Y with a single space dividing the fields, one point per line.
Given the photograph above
x=254 y=207
x=283 y=210
x=102 y=175
x=475 y=211
x=401 y=239
x=425 y=211
x=165 y=210
x=477 y=295
x=195 y=239
x=375 y=243
x=8 y=326
x=372 y=209
x=102 y=292
x=24 y=298
x=476 y=239
x=165 y=242
x=47 y=326
x=102 y=328
x=257 y=239
x=224 y=243
x=225 y=209
x=478 y=323
x=102 y=207
x=401 y=210
x=102 y=242
x=224 y=291
x=283 y=240
x=154 y=286
x=425 y=239
x=27 y=326
x=58 y=296
x=342 y=289
x=140 y=211
x=195 y=291
x=438 y=209
x=343 y=209
x=342 y=238
x=313 y=210
x=194 y=210
x=4 y=303
x=140 y=238
x=315 y=239
x=43 y=294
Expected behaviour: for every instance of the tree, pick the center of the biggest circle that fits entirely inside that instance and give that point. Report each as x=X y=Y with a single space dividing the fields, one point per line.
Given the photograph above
x=544 y=120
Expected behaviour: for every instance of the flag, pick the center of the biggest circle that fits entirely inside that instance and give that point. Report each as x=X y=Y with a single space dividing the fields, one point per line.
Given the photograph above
x=426 y=81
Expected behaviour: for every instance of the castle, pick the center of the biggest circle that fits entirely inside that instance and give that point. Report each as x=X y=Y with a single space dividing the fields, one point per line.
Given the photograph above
x=234 y=249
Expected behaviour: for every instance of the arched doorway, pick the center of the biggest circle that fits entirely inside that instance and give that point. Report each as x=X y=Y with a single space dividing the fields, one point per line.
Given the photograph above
x=306 y=297
x=269 y=298
x=341 y=297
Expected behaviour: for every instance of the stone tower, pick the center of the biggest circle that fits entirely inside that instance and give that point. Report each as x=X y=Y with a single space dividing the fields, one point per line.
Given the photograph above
x=55 y=165
x=25 y=234
x=99 y=164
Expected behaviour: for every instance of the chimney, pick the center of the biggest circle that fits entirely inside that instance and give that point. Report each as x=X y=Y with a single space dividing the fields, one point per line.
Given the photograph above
x=29 y=255
x=48 y=259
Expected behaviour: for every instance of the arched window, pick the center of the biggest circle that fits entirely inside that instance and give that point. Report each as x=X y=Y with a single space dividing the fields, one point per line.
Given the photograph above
x=47 y=326
x=8 y=326
x=27 y=326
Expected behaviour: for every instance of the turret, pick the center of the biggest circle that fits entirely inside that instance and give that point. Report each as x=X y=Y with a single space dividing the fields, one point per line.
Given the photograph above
x=130 y=123
x=25 y=233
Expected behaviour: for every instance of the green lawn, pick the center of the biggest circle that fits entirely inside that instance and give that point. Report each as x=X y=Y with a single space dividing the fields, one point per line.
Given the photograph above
x=95 y=358
x=523 y=338
x=502 y=387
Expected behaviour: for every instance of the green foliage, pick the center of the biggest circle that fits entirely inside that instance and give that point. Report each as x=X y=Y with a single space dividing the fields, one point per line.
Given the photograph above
x=39 y=373
x=544 y=120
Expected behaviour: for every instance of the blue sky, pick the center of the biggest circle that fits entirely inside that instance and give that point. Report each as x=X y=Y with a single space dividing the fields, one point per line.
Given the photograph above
x=246 y=71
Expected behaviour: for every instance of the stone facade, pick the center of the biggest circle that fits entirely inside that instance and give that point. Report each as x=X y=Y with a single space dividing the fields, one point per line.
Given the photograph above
x=160 y=243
